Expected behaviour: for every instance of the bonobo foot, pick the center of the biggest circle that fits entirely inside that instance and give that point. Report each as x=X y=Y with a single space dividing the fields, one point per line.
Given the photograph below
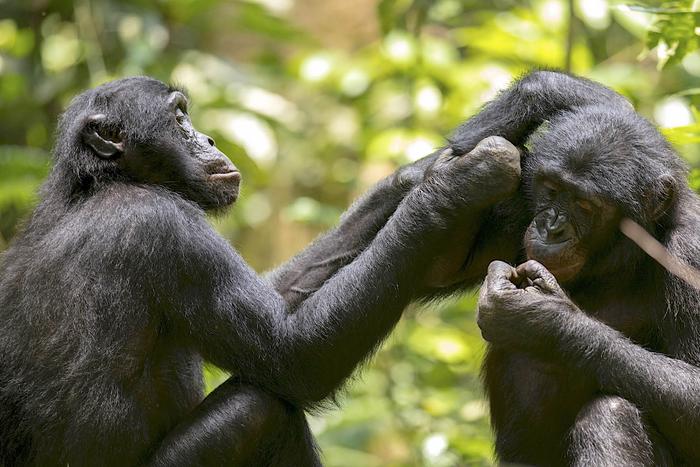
x=492 y=171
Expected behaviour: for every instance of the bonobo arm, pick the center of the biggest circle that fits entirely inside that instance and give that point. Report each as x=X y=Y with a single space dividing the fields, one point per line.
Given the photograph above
x=540 y=319
x=244 y=325
x=304 y=274
x=527 y=103
x=514 y=115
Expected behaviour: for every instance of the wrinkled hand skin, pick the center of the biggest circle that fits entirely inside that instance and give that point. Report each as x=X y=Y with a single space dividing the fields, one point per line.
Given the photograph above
x=524 y=308
x=491 y=171
x=408 y=176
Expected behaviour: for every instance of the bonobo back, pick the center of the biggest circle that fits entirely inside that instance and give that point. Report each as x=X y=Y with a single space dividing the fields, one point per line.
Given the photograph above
x=84 y=335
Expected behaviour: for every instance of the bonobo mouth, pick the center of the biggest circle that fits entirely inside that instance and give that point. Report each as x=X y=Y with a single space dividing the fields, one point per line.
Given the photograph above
x=561 y=258
x=225 y=180
x=563 y=267
x=539 y=250
x=226 y=173
x=564 y=272
x=231 y=176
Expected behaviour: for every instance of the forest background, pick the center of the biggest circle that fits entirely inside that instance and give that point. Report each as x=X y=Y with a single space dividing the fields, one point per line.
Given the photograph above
x=315 y=100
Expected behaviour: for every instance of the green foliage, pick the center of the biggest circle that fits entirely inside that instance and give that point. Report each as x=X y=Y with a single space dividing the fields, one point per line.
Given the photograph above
x=695 y=180
x=673 y=32
x=312 y=120
x=21 y=172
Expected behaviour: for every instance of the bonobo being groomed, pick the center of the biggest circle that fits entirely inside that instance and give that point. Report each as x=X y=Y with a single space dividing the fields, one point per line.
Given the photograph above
x=594 y=347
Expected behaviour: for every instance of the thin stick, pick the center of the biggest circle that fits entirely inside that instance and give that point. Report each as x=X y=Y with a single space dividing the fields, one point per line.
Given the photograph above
x=656 y=250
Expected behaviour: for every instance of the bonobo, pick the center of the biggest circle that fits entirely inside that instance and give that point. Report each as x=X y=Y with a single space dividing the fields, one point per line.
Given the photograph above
x=118 y=289
x=594 y=347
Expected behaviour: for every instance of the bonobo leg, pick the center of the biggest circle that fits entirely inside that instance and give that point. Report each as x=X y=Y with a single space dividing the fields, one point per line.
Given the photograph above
x=239 y=425
x=611 y=431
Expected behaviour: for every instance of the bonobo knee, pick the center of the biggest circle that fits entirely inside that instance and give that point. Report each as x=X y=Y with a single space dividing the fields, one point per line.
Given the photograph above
x=261 y=411
x=610 y=431
x=237 y=422
x=607 y=405
x=606 y=414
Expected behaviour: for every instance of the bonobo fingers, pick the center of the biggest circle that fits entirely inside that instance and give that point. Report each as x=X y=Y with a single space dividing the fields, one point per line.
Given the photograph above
x=487 y=175
x=539 y=276
x=501 y=151
x=490 y=172
x=410 y=175
x=497 y=291
x=500 y=276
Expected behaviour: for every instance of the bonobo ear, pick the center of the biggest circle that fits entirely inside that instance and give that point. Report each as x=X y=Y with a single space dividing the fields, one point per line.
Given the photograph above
x=176 y=100
x=664 y=196
x=106 y=144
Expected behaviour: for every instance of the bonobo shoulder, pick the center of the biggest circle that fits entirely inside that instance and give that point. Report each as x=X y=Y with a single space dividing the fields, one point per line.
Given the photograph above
x=141 y=222
x=123 y=205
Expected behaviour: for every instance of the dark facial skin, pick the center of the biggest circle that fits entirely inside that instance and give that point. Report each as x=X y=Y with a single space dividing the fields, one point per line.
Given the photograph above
x=593 y=348
x=191 y=164
x=568 y=226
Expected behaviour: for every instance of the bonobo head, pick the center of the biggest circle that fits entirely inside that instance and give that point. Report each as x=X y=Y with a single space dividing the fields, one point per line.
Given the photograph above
x=137 y=130
x=588 y=169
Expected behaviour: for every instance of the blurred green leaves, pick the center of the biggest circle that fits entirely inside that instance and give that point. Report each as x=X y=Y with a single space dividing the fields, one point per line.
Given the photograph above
x=312 y=122
x=21 y=172
x=674 y=30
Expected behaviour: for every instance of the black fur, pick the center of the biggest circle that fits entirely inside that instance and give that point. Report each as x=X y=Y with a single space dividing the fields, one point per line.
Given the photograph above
x=118 y=288
x=608 y=376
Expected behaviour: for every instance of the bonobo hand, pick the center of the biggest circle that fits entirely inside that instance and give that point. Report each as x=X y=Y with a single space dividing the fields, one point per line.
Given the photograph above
x=467 y=187
x=524 y=307
x=408 y=176
x=488 y=174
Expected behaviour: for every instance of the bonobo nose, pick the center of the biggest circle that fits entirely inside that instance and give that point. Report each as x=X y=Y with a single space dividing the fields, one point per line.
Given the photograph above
x=553 y=225
x=205 y=140
x=556 y=224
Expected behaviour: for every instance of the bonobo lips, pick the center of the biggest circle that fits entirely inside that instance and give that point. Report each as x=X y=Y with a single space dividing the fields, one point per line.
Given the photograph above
x=562 y=259
x=224 y=173
x=232 y=176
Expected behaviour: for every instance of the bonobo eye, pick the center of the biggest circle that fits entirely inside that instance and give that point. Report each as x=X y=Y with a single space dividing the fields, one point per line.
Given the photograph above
x=551 y=187
x=180 y=116
x=585 y=204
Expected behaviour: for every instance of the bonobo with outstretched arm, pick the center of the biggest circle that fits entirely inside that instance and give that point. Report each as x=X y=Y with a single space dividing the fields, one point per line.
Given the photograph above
x=118 y=288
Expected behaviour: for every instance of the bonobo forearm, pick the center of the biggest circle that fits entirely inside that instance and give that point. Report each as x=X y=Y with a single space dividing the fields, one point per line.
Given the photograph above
x=304 y=354
x=357 y=307
x=665 y=388
x=297 y=279
x=520 y=109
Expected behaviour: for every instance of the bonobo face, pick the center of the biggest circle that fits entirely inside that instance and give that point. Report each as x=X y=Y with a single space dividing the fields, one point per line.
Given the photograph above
x=142 y=127
x=569 y=225
x=588 y=169
x=207 y=176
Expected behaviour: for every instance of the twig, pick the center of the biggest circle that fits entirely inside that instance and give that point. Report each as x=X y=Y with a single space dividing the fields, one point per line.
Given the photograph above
x=656 y=250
